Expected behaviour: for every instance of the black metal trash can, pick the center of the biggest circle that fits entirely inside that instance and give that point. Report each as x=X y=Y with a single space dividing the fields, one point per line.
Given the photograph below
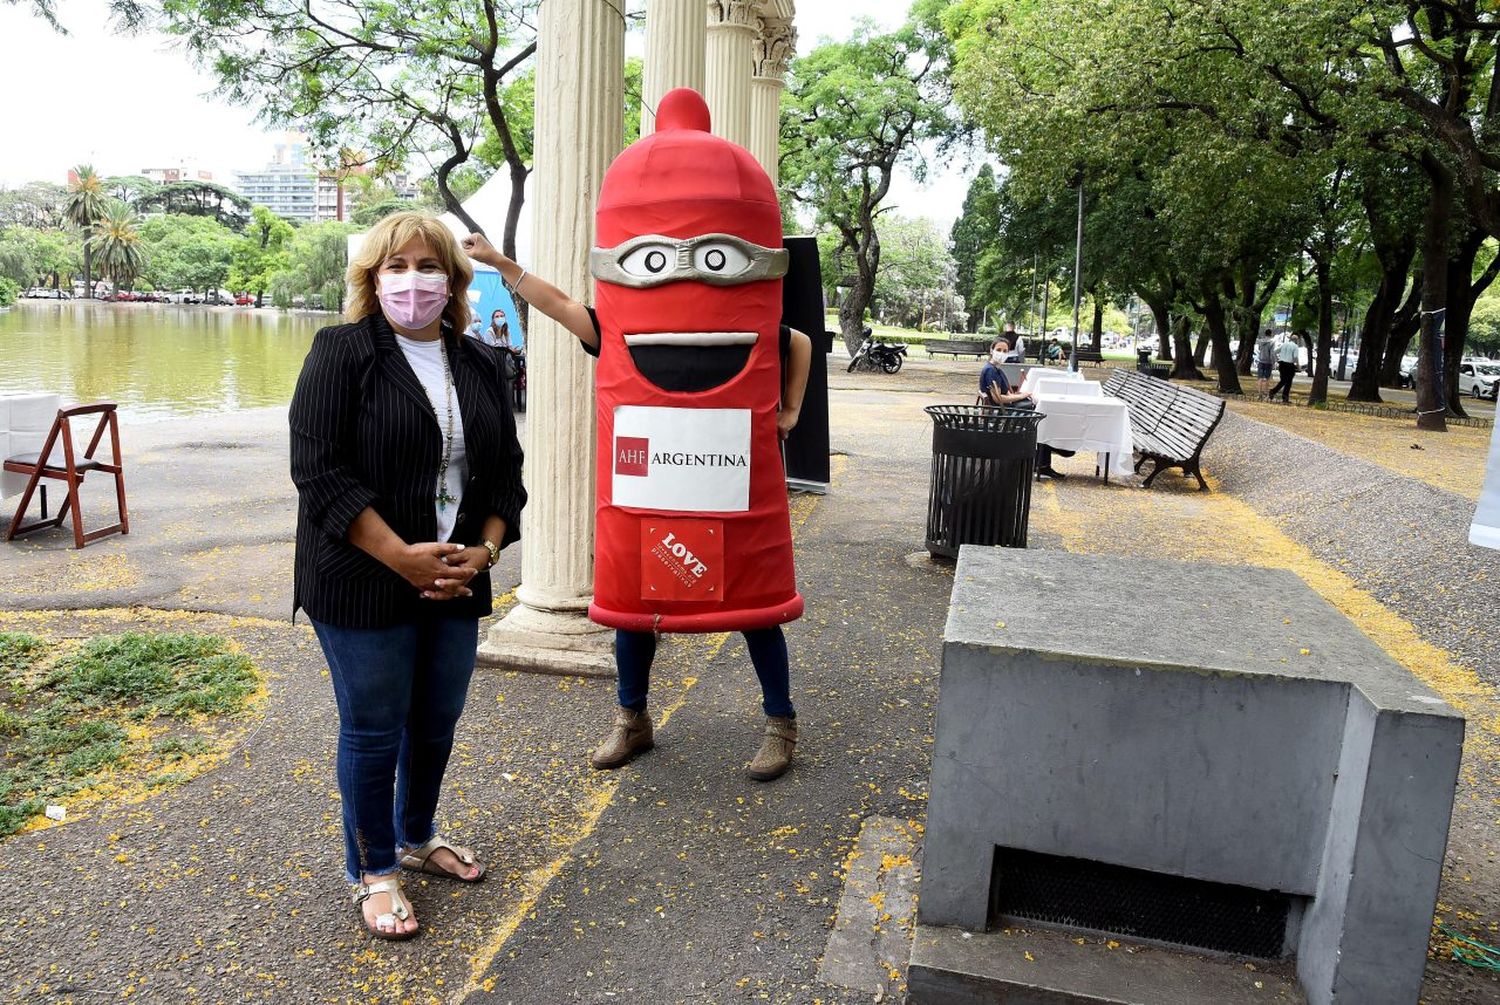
x=983 y=463
x=1143 y=360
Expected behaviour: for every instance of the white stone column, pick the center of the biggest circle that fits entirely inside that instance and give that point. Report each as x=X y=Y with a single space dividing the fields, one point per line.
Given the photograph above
x=774 y=46
x=676 y=37
x=580 y=79
x=730 y=54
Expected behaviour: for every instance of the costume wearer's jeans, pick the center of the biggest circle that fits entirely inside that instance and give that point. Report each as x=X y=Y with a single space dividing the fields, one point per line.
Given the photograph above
x=634 y=652
x=1287 y=371
x=400 y=691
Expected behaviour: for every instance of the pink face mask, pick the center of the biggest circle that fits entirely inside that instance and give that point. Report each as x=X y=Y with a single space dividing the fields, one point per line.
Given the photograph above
x=413 y=299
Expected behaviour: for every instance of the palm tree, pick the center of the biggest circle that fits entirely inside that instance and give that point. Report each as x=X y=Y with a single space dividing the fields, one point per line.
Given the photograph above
x=84 y=208
x=117 y=238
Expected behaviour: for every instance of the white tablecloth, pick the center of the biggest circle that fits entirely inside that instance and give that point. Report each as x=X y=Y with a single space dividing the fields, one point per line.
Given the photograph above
x=1037 y=373
x=25 y=420
x=1077 y=388
x=1076 y=422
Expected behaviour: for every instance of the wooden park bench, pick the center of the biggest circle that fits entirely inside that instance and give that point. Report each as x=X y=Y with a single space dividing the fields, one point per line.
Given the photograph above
x=1168 y=422
x=1090 y=356
x=959 y=347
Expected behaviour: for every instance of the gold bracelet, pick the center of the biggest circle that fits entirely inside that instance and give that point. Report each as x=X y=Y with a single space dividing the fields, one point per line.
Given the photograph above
x=494 y=550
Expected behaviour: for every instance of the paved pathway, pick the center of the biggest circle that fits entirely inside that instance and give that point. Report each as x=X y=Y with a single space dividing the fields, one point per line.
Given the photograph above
x=673 y=880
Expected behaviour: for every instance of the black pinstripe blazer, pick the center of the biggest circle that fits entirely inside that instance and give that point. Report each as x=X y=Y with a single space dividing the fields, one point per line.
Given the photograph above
x=364 y=434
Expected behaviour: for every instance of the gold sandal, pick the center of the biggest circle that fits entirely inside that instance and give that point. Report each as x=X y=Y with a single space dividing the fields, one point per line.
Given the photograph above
x=400 y=909
x=420 y=860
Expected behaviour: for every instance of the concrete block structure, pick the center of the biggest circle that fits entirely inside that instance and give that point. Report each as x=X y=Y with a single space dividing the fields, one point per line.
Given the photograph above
x=1199 y=756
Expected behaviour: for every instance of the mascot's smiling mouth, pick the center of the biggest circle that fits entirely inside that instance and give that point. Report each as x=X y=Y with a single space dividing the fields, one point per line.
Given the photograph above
x=690 y=361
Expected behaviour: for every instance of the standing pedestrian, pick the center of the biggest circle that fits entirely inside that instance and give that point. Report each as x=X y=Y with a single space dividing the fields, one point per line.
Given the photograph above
x=1265 y=360
x=408 y=475
x=499 y=330
x=1286 y=364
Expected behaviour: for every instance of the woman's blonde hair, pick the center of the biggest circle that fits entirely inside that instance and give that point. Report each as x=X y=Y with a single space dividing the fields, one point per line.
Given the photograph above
x=388 y=235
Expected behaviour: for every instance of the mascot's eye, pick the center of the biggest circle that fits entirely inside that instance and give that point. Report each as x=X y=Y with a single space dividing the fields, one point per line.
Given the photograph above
x=649 y=260
x=720 y=259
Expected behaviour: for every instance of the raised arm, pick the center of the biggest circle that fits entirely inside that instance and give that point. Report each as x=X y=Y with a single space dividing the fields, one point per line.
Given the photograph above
x=536 y=291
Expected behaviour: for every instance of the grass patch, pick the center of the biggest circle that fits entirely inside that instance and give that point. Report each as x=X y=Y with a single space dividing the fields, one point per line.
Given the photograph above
x=68 y=716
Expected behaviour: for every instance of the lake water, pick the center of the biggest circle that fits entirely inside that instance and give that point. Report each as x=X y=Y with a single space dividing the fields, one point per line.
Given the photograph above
x=156 y=361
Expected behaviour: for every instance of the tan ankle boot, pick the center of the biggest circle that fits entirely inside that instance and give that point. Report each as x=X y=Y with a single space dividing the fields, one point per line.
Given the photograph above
x=775 y=754
x=630 y=735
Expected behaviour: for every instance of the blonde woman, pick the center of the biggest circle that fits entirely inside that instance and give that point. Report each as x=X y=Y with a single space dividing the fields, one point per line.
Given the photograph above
x=408 y=476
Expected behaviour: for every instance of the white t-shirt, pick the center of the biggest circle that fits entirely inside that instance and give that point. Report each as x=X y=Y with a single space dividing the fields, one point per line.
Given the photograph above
x=1290 y=351
x=427 y=363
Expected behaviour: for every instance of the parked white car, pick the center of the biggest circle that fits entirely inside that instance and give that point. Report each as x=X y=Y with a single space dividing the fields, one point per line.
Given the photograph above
x=1479 y=378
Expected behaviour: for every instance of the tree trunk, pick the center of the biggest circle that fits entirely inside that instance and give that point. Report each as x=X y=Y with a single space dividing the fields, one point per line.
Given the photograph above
x=1161 y=316
x=1246 y=319
x=1200 y=351
x=1430 y=406
x=1376 y=334
x=88 y=271
x=1319 y=356
x=1462 y=292
x=1218 y=334
x=518 y=175
x=1182 y=336
x=1098 y=324
x=1404 y=325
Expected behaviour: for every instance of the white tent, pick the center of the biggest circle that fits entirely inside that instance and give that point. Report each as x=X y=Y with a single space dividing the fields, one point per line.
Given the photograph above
x=488 y=207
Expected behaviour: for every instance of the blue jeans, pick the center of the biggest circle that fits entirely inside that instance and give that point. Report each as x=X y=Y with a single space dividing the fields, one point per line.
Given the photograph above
x=635 y=651
x=400 y=691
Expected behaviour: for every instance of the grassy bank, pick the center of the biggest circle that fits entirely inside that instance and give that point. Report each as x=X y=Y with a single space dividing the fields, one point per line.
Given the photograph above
x=135 y=708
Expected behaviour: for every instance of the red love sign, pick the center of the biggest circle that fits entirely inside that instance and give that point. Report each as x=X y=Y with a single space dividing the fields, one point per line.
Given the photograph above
x=682 y=560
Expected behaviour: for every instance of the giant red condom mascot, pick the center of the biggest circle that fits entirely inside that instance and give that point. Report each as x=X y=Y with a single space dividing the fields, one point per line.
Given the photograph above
x=693 y=532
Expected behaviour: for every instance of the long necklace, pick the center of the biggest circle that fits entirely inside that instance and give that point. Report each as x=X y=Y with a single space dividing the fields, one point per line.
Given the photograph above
x=443 y=498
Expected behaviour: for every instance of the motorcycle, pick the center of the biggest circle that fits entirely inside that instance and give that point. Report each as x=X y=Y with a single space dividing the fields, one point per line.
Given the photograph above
x=887 y=355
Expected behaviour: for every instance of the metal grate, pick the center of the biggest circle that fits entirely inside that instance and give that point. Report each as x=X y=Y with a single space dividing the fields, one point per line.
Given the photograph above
x=1074 y=893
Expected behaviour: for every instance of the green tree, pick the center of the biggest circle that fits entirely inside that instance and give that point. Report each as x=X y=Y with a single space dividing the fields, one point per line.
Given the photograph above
x=127 y=15
x=373 y=84
x=1484 y=326
x=974 y=232
x=131 y=189
x=59 y=255
x=117 y=241
x=197 y=198
x=260 y=254
x=85 y=207
x=316 y=259
x=18 y=255
x=38 y=204
x=915 y=287
x=10 y=290
x=852 y=113
x=186 y=252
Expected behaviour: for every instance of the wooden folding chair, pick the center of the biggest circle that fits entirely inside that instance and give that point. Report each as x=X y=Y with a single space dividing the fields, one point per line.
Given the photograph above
x=71 y=471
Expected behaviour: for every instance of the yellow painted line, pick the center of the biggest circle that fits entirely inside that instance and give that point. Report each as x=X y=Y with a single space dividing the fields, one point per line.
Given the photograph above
x=533 y=887
x=536 y=882
x=1217 y=527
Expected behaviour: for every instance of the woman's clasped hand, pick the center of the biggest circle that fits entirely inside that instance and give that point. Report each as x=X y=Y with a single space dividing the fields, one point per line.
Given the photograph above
x=441 y=570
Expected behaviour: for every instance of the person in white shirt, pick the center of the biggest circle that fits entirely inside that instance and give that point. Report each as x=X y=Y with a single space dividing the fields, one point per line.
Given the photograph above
x=1287 y=356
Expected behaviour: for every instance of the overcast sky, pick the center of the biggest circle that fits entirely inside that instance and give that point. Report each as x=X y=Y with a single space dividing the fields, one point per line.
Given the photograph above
x=124 y=104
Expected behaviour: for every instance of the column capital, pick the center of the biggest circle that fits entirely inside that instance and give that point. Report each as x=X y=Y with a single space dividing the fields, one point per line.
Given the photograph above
x=732 y=14
x=775 y=44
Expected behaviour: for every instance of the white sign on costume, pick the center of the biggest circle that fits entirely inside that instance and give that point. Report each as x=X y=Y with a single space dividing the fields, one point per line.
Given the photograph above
x=1485 y=531
x=682 y=460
